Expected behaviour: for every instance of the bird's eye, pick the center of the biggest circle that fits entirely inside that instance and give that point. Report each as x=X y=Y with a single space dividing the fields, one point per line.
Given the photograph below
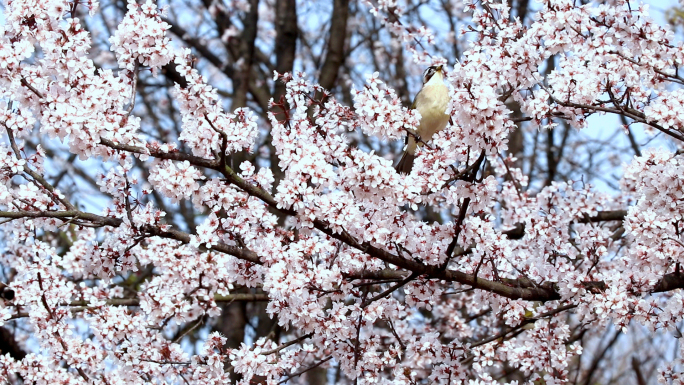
x=428 y=74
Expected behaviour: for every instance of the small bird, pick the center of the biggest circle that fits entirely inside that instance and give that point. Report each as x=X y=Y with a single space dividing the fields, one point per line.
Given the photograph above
x=431 y=101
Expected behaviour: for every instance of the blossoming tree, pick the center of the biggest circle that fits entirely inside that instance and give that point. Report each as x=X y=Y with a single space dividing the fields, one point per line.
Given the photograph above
x=247 y=224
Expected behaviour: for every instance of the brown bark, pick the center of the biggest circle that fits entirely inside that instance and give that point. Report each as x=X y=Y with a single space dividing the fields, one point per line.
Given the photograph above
x=9 y=345
x=231 y=324
x=336 y=43
x=286 y=41
x=245 y=56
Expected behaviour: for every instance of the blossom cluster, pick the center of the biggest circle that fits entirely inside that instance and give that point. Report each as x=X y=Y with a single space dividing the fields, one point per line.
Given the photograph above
x=140 y=38
x=380 y=116
x=175 y=180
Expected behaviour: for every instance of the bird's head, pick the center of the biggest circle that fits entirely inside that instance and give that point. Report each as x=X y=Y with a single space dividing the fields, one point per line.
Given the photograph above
x=431 y=71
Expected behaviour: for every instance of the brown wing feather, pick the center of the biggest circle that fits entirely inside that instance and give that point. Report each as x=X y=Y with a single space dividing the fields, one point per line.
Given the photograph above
x=405 y=163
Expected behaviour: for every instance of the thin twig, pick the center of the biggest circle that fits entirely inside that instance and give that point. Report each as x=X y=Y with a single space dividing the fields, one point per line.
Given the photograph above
x=299 y=373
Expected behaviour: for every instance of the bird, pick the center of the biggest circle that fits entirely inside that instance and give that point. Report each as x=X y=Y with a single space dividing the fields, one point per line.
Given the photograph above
x=431 y=101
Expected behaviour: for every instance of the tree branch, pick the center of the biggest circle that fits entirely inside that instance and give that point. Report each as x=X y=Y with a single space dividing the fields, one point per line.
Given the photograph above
x=336 y=41
x=150 y=230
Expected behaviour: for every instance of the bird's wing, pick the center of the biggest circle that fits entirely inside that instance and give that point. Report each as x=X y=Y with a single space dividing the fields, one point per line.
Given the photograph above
x=413 y=105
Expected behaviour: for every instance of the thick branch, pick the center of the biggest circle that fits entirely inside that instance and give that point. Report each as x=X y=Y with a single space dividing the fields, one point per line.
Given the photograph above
x=151 y=230
x=516 y=289
x=246 y=297
x=157 y=153
x=605 y=216
x=78 y=306
x=9 y=345
x=337 y=38
x=518 y=232
x=245 y=56
x=286 y=41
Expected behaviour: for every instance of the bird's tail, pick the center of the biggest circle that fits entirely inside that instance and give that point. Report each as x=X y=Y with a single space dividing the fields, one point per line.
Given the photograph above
x=405 y=163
